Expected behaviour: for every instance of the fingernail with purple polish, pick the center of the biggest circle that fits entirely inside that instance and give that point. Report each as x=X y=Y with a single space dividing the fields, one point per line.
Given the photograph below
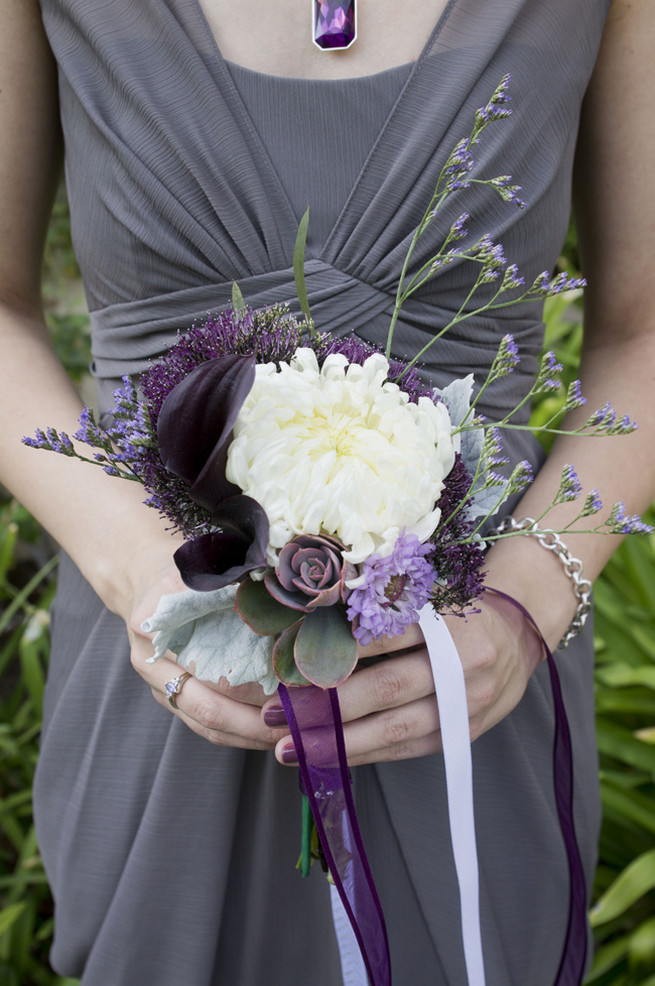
x=274 y=716
x=289 y=755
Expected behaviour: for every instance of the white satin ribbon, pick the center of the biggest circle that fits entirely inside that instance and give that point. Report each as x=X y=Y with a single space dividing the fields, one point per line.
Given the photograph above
x=454 y=724
x=353 y=970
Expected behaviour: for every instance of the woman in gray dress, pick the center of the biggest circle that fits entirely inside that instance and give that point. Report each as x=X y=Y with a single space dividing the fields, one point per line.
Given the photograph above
x=196 y=132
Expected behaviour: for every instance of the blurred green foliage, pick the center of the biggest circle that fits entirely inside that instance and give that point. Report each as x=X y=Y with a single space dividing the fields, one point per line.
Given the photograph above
x=623 y=914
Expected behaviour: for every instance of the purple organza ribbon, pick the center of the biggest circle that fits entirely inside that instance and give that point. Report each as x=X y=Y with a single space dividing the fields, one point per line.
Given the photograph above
x=574 y=953
x=315 y=725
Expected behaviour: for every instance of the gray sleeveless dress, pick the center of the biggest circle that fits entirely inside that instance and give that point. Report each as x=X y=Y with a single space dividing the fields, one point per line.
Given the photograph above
x=171 y=861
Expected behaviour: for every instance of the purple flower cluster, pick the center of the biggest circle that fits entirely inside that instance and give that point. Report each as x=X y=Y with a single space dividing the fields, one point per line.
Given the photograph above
x=497 y=108
x=570 y=486
x=393 y=590
x=548 y=377
x=506 y=360
x=458 y=559
x=545 y=285
x=621 y=522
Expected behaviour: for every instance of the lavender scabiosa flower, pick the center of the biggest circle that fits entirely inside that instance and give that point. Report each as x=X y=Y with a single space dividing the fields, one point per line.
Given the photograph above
x=391 y=590
x=570 y=487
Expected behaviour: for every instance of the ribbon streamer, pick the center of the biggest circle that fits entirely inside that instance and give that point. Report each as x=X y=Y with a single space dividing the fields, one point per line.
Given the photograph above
x=574 y=954
x=450 y=690
x=315 y=725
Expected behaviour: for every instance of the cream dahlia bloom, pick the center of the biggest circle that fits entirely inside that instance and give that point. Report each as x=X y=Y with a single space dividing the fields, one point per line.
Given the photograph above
x=338 y=450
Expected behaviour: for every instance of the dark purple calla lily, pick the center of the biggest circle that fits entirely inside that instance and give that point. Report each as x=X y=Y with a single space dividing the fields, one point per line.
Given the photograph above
x=215 y=560
x=310 y=573
x=195 y=424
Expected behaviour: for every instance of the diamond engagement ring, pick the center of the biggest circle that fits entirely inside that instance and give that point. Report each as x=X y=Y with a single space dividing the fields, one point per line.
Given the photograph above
x=174 y=687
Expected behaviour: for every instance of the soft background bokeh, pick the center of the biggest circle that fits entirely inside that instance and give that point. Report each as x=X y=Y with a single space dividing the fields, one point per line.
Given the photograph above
x=623 y=914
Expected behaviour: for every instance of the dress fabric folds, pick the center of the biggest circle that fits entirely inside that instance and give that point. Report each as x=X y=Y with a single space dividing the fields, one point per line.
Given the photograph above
x=172 y=861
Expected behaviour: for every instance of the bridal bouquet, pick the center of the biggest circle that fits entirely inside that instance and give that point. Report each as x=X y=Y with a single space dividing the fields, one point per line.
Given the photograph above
x=326 y=492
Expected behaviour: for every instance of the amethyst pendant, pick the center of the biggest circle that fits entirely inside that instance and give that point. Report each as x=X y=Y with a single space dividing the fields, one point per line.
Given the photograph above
x=334 y=24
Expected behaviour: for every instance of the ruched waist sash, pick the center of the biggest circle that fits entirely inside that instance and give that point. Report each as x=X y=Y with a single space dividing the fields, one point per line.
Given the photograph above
x=127 y=336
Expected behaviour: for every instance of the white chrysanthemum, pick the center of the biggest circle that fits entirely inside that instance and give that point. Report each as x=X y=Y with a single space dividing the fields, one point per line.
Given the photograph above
x=339 y=451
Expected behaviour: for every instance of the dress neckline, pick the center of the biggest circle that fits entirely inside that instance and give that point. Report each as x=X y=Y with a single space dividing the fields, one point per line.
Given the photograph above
x=201 y=18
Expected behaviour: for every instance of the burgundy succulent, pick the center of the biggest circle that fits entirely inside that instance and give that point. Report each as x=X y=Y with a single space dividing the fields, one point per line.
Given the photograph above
x=310 y=573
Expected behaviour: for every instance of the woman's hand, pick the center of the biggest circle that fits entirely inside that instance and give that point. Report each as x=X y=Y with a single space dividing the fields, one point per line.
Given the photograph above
x=223 y=714
x=389 y=707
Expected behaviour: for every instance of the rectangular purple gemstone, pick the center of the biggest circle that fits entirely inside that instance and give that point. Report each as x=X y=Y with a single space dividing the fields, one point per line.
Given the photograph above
x=334 y=23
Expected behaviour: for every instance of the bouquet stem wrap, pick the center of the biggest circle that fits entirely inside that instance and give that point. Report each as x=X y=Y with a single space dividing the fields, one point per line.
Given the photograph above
x=315 y=725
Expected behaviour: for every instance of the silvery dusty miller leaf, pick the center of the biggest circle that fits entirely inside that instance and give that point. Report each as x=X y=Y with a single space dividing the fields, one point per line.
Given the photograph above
x=209 y=639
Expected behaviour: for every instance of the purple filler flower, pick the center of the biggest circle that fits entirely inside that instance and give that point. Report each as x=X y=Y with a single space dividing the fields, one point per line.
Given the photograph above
x=393 y=590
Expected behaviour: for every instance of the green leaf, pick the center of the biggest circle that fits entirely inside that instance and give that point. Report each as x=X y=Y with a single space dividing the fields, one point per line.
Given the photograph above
x=299 y=266
x=238 y=304
x=619 y=743
x=619 y=675
x=326 y=651
x=607 y=958
x=263 y=614
x=635 y=881
x=642 y=946
x=284 y=663
x=8 y=915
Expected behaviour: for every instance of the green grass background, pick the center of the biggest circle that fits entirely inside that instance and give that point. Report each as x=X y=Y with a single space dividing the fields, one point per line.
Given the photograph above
x=623 y=911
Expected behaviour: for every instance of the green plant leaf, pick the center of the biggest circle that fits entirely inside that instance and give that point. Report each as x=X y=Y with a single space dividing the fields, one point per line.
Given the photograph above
x=619 y=743
x=263 y=614
x=284 y=663
x=238 y=304
x=642 y=947
x=8 y=915
x=299 y=266
x=326 y=651
x=635 y=881
x=607 y=958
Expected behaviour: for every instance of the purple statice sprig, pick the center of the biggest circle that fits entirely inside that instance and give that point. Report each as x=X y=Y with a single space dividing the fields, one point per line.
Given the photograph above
x=120 y=448
x=618 y=521
x=459 y=172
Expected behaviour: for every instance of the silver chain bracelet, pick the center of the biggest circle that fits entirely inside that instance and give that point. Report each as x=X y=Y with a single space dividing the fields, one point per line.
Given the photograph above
x=572 y=567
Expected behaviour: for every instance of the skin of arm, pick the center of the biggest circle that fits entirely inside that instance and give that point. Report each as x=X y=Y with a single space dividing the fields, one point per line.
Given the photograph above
x=120 y=545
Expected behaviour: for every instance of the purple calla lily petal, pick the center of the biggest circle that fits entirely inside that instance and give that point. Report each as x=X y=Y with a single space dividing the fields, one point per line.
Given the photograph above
x=215 y=560
x=195 y=425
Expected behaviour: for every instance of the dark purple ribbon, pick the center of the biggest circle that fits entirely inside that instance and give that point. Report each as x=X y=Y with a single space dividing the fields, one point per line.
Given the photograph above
x=315 y=725
x=574 y=953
